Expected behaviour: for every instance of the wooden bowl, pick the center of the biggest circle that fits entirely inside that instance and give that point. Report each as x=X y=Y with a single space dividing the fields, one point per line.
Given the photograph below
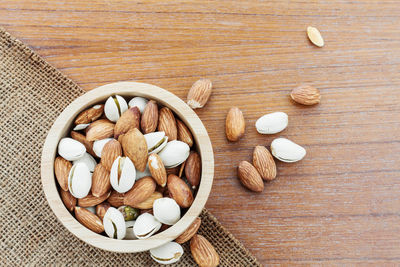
x=62 y=127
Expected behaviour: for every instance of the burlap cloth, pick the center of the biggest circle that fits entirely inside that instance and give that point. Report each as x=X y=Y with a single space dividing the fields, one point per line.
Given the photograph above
x=33 y=94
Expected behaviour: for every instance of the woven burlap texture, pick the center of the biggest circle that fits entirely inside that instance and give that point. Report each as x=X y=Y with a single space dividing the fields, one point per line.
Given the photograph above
x=33 y=94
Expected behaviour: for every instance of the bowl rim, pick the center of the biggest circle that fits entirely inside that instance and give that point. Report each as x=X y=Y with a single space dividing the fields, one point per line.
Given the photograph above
x=63 y=124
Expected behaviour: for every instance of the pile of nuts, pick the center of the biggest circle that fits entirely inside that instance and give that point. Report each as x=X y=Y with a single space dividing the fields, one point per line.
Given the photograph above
x=128 y=170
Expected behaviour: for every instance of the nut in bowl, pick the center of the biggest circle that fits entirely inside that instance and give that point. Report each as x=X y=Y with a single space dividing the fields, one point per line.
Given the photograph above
x=106 y=159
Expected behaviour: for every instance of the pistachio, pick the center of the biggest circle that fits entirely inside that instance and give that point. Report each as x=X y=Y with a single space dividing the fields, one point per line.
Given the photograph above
x=145 y=226
x=114 y=223
x=81 y=127
x=114 y=107
x=286 y=150
x=168 y=253
x=129 y=213
x=71 y=149
x=174 y=153
x=140 y=174
x=79 y=180
x=91 y=209
x=88 y=160
x=99 y=145
x=122 y=174
x=272 y=123
x=139 y=102
x=156 y=141
x=129 y=230
x=166 y=210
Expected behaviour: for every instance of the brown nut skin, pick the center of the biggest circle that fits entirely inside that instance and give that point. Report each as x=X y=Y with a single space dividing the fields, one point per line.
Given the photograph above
x=89 y=115
x=111 y=151
x=184 y=133
x=141 y=190
x=81 y=138
x=148 y=203
x=157 y=169
x=179 y=191
x=199 y=93
x=101 y=209
x=249 y=177
x=189 y=232
x=99 y=129
x=149 y=117
x=306 y=95
x=193 y=169
x=89 y=220
x=264 y=163
x=203 y=252
x=167 y=123
x=135 y=148
x=90 y=200
x=61 y=169
x=129 y=120
x=116 y=199
x=234 y=125
x=100 y=181
x=68 y=200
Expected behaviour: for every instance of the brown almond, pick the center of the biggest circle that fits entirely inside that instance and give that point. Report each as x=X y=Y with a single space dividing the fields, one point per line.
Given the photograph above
x=203 y=252
x=179 y=191
x=157 y=169
x=111 y=150
x=68 y=200
x=89 y=115
x=135 y=148
x=167 y=123
x=129 y=120
x=181 y=169
x=189 y=232
x=306 y=95
x=193 y=169
x=264 y=163
x=199 y=94
x=174 y=170
x=61 y=169
x=101 y=209
x=184 y=133
x=89 y=220
x=249 y=177
x=235 y=124
x=116 y=199
x=100 y=181
x=90 y=200
x=81 y=138
x=146 y=211
x=100 y=129
x=141 y=190
x=149 y=117
x=148 y=203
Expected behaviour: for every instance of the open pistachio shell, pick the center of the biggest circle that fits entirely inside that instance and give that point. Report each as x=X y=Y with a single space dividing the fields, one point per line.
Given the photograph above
x=145 y=226
x=139 y=102
x=114 y=223
x=122 y=174
x=71 y=149
x=286 y=150
x=156 y=141
x=166 y=210
x=174 y=153
x=81 y=126
x=272 y=123
x=79 y=180
x=167 y=254
x=140 y=174
x=88 y=160
x=129 y=230
x=99 y=145
x=114 y=107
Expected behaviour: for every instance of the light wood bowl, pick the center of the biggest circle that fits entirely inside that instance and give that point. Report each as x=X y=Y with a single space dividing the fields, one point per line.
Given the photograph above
x=62 y=127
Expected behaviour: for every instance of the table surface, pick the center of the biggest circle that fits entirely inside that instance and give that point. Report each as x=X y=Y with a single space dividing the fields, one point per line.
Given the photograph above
x=341 y=204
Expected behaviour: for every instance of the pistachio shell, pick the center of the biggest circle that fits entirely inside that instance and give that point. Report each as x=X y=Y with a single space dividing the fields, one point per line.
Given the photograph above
x=140 y=174
x=113 y=110
x=139 y=102
x=91 y=209
x=145 y=226
x=129 y=230
x=88 y=160
x=114 y=223
x=286 y=150
x=168 y=253
x=71 y=149
x=79 y=180
x=81 y=126
x=174 y=153
x=272 y=123
x=166 y=210
x=99 y=145
x=156 y=141
x=122 y=174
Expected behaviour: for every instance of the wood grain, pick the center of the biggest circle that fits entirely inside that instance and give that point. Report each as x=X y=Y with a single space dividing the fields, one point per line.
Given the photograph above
x=338 y=206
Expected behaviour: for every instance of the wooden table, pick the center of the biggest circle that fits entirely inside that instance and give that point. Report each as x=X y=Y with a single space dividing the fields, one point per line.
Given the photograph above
x=341 y=204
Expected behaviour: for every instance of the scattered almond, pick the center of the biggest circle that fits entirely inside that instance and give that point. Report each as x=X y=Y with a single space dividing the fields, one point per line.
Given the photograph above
x=89 y=220
x=189 y=232
x=179 y=191
x=140 y=191
x=184 y=133
x=61 y=169
x=111 y=150
x=315 y=36
x=90 y=115
x=167 y=123
x=249 y=177
x=264 y=163
x=100 y=129
x=150 y=117
x=157 y=169
x=100 y=181
x=193 y=169
x=199 y=93
x=203 y=252
x=306 y=95
x=129 y=120
x=235 y=124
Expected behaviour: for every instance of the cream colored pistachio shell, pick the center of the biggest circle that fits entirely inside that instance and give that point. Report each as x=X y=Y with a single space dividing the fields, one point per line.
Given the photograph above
x=114 y=107
x=174 y=153
x=79 y=180
x=139 y=102
x=114 y=223
x=124 y=167
x=81 y=126
x=168 y=253
x=145 y=226
x=140 y=174
x=88 y=160
x=99 y=145
x=156 y=141
x=71 y=149
x=91 y=209
x=286 y=150
x=272 y=123
x=129 y=230
x=166 y=210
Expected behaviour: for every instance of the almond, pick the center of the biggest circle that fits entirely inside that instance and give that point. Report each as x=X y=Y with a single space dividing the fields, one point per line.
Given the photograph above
x=90 y=115
x=149 y=117
x=116 y=199
x=179 y=191
x=174 y=170
x=101 y=209
x=235 y=124
x=306 y=95
x=189 y=232
x=199 y=93
x=100 y=181
x=100 y=129
x=264 y=163
x=140 y=191
x=184 y=133
x=203 y=252
x=181 y=169
x=129 y=120
x=148 y=203
x=68 y=200
x=157 y=169
x=249 y=177
x=81 y=138
x=135 y=148
x=146 y=211
x=111 y=150
x=90 y=200
x=193 y=169
x=315 y=36
x=61 y=169
x=89 y=220
x=167 y=123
